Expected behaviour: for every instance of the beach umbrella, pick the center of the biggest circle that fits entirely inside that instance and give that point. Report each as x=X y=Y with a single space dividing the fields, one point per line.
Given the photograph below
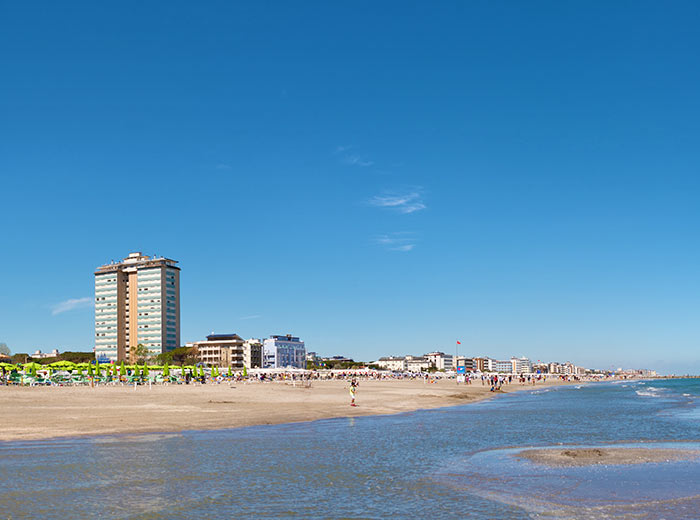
x=122 y=370
x=201 y=371
x=89 y=371
x=166 y=371
x=136 y=371
x=229 y=371
x=245 y=371
x=215 y=372
x=79 y=370
x=145 y=369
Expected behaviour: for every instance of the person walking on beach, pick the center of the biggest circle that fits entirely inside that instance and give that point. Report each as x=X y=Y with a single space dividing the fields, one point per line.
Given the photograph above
x=353 y=390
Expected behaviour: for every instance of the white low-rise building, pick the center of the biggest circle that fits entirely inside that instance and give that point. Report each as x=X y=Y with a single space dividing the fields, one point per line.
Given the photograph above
x=521 y=365
x=504 y=367
x=284 y=351
x=393 y=363
x=440 y=360
x=417 y=364
x=41 y=355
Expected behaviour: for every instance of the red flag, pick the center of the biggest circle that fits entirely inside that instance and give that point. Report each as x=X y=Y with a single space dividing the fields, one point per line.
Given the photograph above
x=459 y=342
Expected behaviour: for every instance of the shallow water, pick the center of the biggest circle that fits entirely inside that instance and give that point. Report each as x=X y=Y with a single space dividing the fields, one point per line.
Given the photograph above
x=447 y=463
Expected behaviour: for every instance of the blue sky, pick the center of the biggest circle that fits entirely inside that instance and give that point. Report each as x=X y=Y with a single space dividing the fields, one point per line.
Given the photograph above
x=377 y=178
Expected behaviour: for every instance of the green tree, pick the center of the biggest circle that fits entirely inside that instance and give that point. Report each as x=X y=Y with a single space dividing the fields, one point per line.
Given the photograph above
x=20 y=358
x=165 y=358
x=77 y=357
x=140 y=354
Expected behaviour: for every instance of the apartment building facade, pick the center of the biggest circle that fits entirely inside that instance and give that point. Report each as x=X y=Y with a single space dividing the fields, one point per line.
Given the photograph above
x=137 y=302
x=283 y=351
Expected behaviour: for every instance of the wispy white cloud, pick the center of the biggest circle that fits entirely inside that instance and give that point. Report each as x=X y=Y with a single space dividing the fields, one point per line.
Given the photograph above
x=71 y=305
x=223 y=166
x=353 y=159
x=253 y=317
x=402 y=241
x=356 y=160
x=404 y=203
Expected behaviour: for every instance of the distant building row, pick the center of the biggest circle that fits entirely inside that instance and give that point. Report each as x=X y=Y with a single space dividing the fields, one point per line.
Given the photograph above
x=442 y=361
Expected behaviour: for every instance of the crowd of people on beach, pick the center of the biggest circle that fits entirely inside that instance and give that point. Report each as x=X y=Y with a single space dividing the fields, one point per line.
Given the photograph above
x=198 y=375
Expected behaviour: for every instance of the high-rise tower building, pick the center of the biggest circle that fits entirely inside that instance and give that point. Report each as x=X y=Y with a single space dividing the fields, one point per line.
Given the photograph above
x=137 y=302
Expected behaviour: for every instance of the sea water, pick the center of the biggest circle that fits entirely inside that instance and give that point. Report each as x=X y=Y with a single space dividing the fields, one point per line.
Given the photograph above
x=455 y=462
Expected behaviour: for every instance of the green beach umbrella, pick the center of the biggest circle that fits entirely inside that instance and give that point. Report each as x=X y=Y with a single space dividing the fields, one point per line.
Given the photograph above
x=122 y=370
x=215 y=372
x=145 y=369
x=229 y=371
x=166 y=371
x=89 y=371
x=245 y=371
x=201 y=371
x=136 y=370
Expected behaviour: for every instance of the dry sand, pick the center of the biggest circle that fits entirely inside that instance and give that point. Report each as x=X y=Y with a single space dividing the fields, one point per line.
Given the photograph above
x=47 y=412
x=590 y=456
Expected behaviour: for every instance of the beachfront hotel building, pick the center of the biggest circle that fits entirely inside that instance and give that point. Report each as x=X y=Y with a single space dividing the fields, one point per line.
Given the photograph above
x=440 y=360
x=228 y=350
x=284 y=351
x=137 y=302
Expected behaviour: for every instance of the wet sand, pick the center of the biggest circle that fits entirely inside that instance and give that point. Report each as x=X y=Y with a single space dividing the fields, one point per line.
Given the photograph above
x=590 y=456
x=29 y=413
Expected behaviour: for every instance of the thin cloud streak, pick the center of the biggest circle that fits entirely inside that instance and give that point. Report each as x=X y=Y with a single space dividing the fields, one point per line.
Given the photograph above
x=356 y=160
x=253 y=317
x=353 y=159
x=402 y=241
x=72 y=304
x=407 y=203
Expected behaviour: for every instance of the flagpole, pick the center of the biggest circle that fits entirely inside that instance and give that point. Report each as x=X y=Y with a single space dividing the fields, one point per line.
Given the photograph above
x=455 y=362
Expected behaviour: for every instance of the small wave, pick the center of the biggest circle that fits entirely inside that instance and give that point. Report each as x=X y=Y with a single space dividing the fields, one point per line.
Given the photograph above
x=647 y=393
x=687 y=395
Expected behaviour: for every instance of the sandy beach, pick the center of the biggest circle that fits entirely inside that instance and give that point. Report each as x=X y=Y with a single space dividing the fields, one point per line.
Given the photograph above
x=591 y=456
x=30 y=413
